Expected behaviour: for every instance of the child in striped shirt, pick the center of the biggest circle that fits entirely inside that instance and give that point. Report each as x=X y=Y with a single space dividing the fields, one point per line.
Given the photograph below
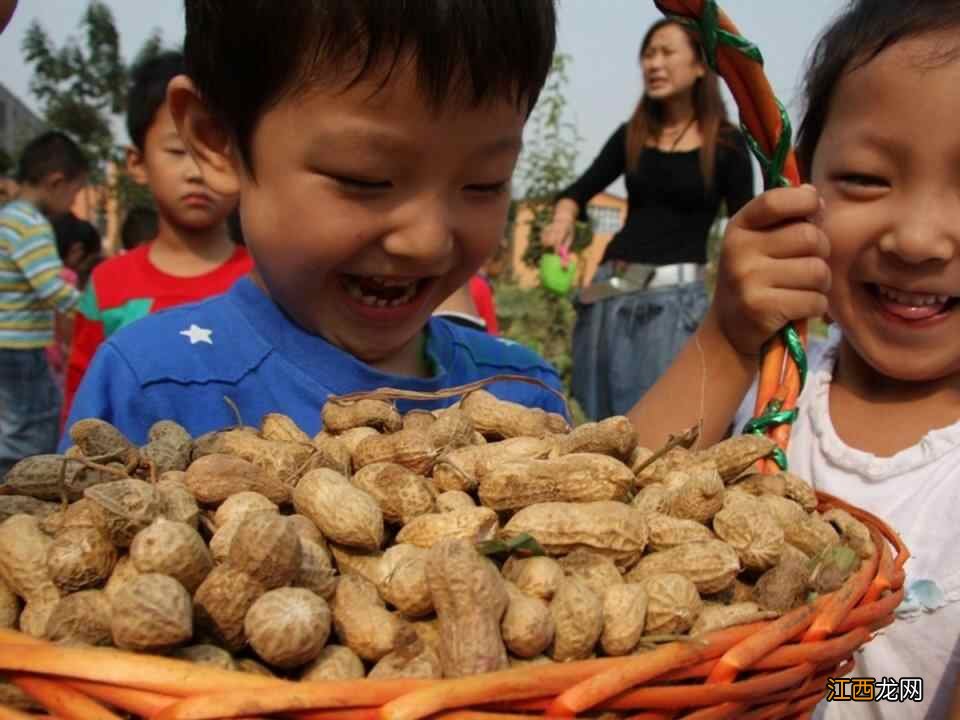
x=52 y=170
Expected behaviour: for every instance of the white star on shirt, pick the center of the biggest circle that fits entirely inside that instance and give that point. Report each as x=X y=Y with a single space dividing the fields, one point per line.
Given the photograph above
x=198 y=334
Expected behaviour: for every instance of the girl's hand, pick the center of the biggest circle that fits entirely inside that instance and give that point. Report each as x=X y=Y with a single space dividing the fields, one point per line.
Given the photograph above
x=773 y=268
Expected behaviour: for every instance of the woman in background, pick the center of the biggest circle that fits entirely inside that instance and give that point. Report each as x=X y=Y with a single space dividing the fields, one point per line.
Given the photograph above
x=682 y=160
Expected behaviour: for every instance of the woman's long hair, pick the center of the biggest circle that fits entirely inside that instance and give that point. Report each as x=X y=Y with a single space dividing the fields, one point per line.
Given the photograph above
x=711 y=114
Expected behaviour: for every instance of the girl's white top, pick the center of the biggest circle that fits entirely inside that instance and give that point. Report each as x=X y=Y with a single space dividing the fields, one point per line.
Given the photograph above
x=917 y=491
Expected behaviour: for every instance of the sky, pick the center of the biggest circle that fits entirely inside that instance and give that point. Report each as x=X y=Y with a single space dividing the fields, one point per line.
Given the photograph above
x=601 y=36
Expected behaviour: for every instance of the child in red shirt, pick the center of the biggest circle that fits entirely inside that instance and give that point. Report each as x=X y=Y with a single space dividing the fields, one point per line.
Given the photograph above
x=192 y=256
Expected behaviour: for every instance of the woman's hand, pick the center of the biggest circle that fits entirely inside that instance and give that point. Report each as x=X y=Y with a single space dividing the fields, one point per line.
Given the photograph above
x=558 y=233
x=773 y=268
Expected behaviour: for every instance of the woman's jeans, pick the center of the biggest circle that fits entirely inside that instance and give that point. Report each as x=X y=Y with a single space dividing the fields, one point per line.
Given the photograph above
x=29 y=407
x=623 y=344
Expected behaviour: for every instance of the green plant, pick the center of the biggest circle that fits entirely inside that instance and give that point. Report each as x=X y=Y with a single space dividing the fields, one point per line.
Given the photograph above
x=82 y=88
x=548 y=162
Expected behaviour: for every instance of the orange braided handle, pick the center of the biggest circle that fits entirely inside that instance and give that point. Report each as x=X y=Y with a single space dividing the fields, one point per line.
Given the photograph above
x=761 y=116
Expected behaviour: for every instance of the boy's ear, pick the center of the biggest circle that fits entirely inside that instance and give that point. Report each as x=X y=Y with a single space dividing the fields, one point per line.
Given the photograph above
x=205 y=138
x=135 y=165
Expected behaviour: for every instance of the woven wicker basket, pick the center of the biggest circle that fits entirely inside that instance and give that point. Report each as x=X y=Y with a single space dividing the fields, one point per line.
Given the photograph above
x=771 y=669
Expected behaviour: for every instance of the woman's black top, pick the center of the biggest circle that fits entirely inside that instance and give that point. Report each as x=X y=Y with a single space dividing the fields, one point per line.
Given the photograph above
x=669 y=212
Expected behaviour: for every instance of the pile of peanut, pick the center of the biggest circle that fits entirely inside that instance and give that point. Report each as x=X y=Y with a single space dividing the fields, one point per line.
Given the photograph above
x=356 y=553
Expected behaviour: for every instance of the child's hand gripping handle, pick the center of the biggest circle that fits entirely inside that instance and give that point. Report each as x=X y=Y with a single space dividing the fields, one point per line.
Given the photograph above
x=768 y=132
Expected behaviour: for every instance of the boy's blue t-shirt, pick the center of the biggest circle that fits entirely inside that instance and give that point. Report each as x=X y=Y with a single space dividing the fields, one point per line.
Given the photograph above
x=181 y=364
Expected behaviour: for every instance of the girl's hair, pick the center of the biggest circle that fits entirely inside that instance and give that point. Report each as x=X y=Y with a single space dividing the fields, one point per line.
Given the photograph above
x=862 y=31
x=647 y=120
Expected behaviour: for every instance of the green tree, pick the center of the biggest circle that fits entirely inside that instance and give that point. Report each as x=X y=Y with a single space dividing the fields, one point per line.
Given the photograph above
x=536 y=317
x=548 y=162
x=82 y=86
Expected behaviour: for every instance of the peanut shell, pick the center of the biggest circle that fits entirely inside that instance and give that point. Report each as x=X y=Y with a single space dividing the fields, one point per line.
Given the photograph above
x=614 y=436
x=610 y=528
x=335 y=662
x=339 y=416
x=151 y=613
x=497 y=418
x=80 y=558
x=174 y=549
x=579 y=477
x=624 y=617
x=474 y=524
x=718 y=617
x=344 y=513
x=221 y=604
x=125 y=508
x=673 y=604
x=83 y=618
x=404 y=580
x=527 y=626
x=266 y=548
x=712 y=565
x=401 y=494
x=288 y=627
x=578 y=620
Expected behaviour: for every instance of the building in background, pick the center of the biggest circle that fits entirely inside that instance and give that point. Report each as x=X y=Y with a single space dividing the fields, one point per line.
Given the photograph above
x=18 y=123
x=607 y=213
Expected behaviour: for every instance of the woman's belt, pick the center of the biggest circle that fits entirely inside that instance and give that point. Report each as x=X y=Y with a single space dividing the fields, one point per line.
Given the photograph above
x=638 y=277
x=676 y=274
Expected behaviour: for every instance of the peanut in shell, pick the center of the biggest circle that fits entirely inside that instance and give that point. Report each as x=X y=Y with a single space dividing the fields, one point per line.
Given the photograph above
x=667 y=531
x=624 y=618
x=852 y=532
x=718 y=617
x=527 y=626
x=610 y=528
x=458 y=469
x=475 y=525
x=266 y=548
x=470 y=600
x=614 y=436
x=539 y=576
x=221 y=604
x=344 y=513
x=83 y=618
x=174 y=549
x=339 y=416
x=277 y=426
x=753 y=531
x=597 y=571
x=575 y=478
x=80 y=558
x=401 y=494
x=335 y=662
x=497 y=418
x=215 y=477
x=151 y=613
x=403 y=583
x=733 y=456
x=673 y=603
x=578 y=621
x=712 y=565
x=288 y=627
x=698 y=494
x=316 y=571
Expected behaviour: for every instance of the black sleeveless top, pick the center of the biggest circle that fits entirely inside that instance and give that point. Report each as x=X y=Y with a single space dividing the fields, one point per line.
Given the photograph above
x=669 y=211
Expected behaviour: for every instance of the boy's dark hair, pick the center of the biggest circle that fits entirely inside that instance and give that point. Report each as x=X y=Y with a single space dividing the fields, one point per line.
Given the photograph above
x=148 y=91
x=140 y=226
x=246 y=55
x=862 y=31
x=49 y=153
x=70 y=230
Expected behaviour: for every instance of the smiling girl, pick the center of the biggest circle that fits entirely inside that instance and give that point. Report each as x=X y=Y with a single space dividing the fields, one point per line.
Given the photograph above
x=875 y=241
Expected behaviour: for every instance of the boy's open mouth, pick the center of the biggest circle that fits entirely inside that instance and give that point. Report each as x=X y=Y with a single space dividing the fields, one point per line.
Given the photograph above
x=381 y=291
x=911 y=306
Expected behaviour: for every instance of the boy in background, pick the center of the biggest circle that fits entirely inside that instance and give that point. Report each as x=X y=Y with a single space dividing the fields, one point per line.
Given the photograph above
x=372 y=152
x=191 y=256
x=52 y=170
